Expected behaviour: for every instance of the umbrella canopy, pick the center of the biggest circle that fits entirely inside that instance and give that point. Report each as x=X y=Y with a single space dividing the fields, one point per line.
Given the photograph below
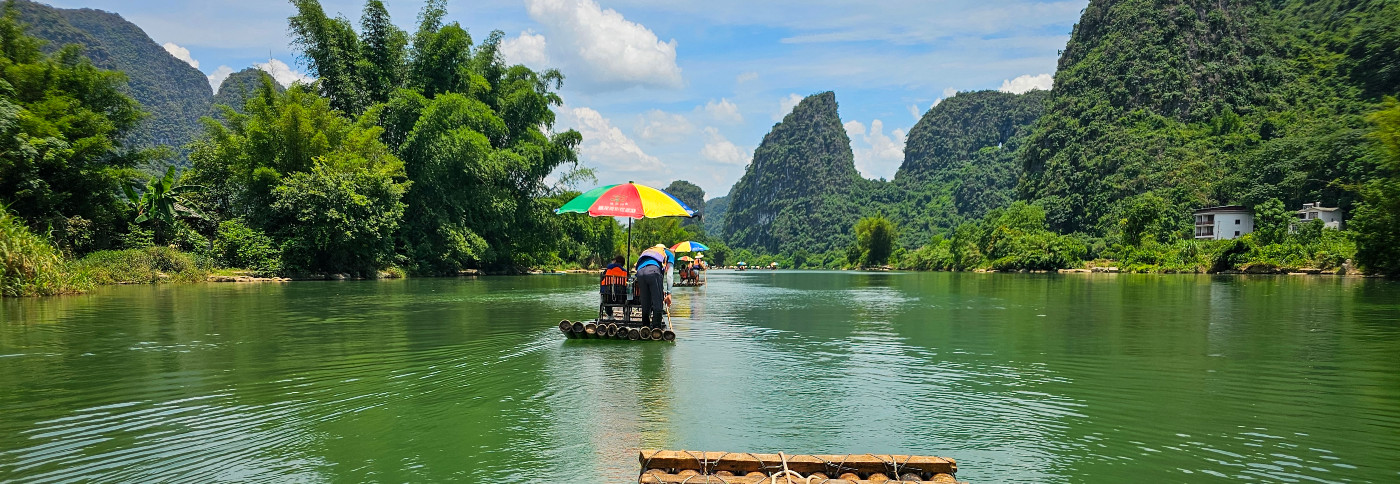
x=629 y=200
x=689 y=246
x=687 y=258
x=742 y=264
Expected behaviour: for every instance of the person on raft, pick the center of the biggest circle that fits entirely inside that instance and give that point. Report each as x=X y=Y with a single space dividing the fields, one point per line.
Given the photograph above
x=653 y=284
x=617 y=261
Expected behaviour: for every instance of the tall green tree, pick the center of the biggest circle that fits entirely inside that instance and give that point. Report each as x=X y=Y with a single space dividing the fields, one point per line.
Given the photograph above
x=320 y=183
x=875 y=240
x=1377 y=219
x=474 y=134
x=62 y=122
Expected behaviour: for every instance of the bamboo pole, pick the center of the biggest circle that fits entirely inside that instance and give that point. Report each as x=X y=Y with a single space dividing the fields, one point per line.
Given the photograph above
x=634 y=334
x=668 y=335
x=590 y=329
x=578 y=327
x=739 y=463
x=657 y=477
x=656 y=334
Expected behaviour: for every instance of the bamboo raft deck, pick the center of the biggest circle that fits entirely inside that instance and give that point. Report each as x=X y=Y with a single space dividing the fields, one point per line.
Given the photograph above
x=616 y=328
x=693 y=467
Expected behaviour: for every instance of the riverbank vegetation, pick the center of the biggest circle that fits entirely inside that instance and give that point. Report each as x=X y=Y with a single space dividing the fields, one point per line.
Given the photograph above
x=425 y=153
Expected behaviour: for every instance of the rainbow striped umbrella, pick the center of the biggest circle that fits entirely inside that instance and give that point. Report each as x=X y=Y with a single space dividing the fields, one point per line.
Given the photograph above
x=629 y=200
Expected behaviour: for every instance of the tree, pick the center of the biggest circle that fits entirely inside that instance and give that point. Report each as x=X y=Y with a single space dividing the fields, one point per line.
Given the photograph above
x=322 y=185
x=340 y=215
x=1377 y=219
x=875 y=238
x=1147 y=217
x=1271 y=221
x=159 y=202
x=62 y=122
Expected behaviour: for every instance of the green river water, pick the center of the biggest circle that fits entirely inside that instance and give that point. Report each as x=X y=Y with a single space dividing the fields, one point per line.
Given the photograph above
x=1020 y=377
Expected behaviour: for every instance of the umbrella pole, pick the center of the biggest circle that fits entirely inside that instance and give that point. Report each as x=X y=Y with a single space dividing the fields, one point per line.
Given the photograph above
x=629 y=243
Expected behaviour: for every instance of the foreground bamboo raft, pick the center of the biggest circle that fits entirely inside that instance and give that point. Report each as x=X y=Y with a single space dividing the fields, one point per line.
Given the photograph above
x=693 y=467
x=614 y=330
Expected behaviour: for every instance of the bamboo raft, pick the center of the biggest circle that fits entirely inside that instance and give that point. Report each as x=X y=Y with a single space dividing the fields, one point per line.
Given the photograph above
x=614 y=329
x=692 y=467
x=690 y=283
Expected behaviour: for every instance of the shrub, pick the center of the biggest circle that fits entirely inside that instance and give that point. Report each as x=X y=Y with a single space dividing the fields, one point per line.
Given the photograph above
x=31 y=265
x=143 y=266
x=240 y=246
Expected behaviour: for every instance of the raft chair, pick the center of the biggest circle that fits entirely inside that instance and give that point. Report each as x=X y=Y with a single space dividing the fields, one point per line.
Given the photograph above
x=612 y=291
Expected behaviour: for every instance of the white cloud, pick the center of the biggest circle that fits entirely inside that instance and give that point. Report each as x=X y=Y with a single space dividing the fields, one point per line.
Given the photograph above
x=283 y=73
x=658 y=125
x=1025 y=83
x=720 y=150
x=528 y=49
x=785 y=106
x=724 y=111
x=602 y=48
x=217 y=77
x=181 y=53
x=947 y=93
x=746 y=77
x=877 y=155
x=604 y=145
x=914 y=110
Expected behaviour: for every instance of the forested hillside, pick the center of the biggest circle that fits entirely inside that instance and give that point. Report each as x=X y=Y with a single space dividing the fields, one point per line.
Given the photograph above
x=238 y=87
x=715 y=208
x=795 y=193
x=173 y=94
x=959 y=162
x=1204 y=103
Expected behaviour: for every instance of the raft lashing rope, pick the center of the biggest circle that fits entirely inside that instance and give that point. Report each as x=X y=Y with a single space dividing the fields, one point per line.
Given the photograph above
x=614 y=330
x=694 y=467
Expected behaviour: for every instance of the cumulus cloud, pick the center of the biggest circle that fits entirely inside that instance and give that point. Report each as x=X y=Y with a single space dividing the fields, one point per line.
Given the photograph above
x=602 y=48
x=877 y=155
x=724 y=111
x=283 y=73
x=217 y=77
x=661 y=126
x=181 y=53
x=785 y=106
x=720 y=150
x=1026 y=83
x=746 y=77
x=947 y=93
x=604 y=145
x=529 y=48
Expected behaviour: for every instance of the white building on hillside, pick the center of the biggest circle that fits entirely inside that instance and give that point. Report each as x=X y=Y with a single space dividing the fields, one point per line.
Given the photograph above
x=1223 y=223
x=1331 y=217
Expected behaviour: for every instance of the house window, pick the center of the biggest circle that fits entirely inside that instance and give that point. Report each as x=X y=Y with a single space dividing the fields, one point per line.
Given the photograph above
x=1237 y=233
x=1237 y=221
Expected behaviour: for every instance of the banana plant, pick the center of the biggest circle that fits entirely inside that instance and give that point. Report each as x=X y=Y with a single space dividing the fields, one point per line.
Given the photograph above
x=158 y=200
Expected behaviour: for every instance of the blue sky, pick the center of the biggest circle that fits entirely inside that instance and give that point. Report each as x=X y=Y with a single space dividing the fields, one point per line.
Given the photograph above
x=687 y=89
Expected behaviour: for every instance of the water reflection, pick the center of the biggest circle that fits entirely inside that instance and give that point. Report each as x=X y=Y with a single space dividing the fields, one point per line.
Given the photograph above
x=1023 y=378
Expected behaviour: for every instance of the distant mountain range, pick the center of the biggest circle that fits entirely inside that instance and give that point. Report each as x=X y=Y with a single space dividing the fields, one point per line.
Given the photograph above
x=173 y=94
x=1198 y=103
